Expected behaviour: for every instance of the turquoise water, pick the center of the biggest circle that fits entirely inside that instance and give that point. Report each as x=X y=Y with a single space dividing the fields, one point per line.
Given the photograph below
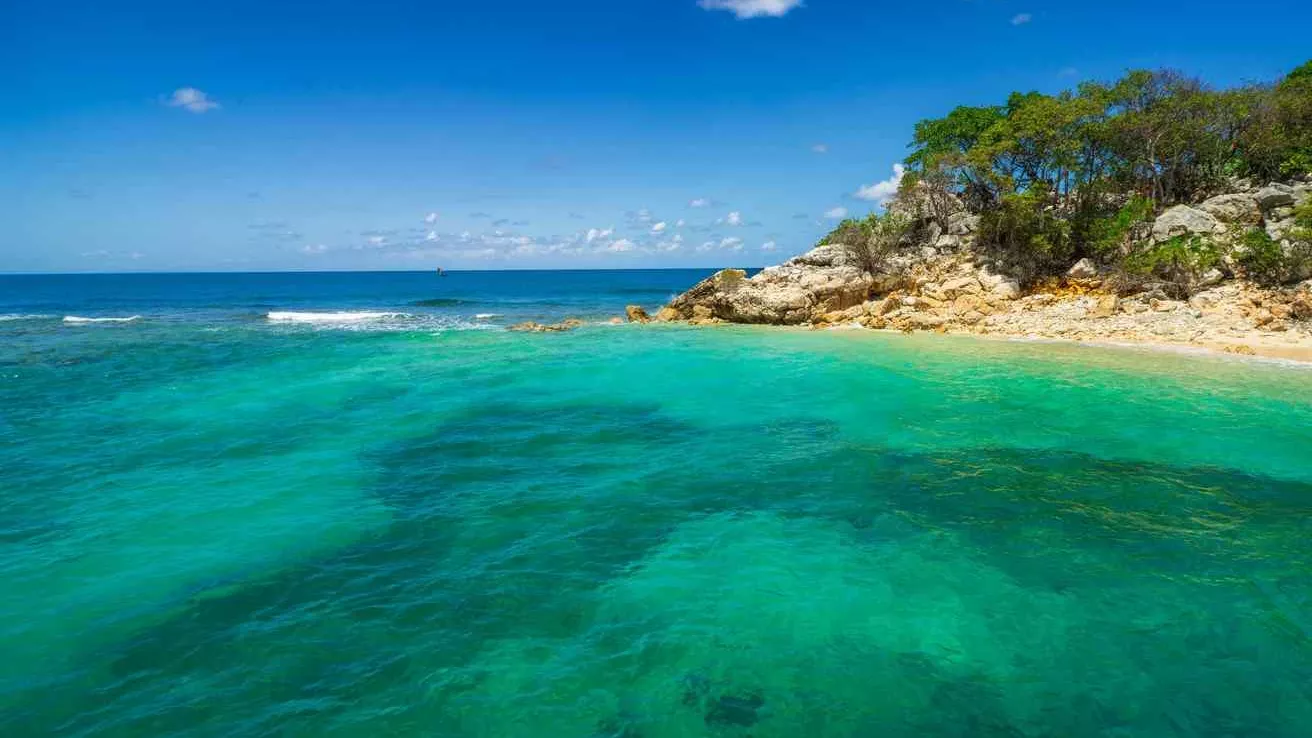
x=217 y=524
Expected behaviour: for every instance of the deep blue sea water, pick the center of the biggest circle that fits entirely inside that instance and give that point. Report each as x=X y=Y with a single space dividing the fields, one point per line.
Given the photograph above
x=354 y=505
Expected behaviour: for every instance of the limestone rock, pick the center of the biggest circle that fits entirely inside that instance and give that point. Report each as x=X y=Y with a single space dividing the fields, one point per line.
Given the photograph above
x=1234 y=208
x=1006 y=289
x=1106 y=307
x=665 y=315
x=1275 y=195
x=1183 y=220
x=801 y=290
x=636 y=314
x=1083 y=269
x=954 y=288
x=567 y=324
x=962 y=224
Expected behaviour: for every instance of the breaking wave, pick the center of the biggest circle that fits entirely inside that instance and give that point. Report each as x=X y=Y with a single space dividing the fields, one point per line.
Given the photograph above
x=79 y=320
x=337 y=317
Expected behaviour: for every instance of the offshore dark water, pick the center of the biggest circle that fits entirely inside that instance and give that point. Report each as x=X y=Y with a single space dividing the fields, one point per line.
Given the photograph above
x=350 y=505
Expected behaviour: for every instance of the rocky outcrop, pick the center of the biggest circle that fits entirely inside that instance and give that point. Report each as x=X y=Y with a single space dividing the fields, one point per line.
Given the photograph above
x=1275 y=195
x=939 y=282
x=1183 y=220
x=821 y=281
x=636 y=314
x=1083 y=269
x=567 y=324
x=1239 y=208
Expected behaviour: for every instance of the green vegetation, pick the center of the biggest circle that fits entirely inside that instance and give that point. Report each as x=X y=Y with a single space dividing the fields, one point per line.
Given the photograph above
x=1056 y=178
x=872 y=239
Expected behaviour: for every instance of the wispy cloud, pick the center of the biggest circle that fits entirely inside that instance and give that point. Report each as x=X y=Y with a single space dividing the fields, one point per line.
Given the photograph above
x=732 y=243
x=622 y=245
x=836 y=213
x=700 y=202
x=314 y=249
x=1021 y=19
x=659 y=227
x=104 y=254
x=820 y=148
x=431 y=218
x=881 y=192
x=752 y=8
x=768 y=246
x=192 y=100
x=734 y=219
x=595 y=233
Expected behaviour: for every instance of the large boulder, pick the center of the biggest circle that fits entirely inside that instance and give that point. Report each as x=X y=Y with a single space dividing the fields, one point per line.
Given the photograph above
x=1234 y=208
x=636 y=314
x=962 y=224
x=802 y=289
x=1183 y=220
x=1083 y=269
x=1275 y=195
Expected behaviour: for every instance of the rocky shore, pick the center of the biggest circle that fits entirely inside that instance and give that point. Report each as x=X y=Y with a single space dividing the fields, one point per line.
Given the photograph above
x=943 y=284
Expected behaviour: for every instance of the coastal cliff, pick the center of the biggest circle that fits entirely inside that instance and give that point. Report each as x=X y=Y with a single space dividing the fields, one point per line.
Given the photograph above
x=1149 y=208
x=941 y=278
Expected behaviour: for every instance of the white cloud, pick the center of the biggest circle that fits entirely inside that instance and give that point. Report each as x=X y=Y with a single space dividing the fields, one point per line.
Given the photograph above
x=659 y=227
x=431 y=218
x=679 y=223
x=191 y=100
x=136 y=255
x=768 y=246
x=644 y=216
x=594 y=233
x=820 y=148
x=377 y=240
x=432 y=236
x=751 y=8
x=734 y=219
x=1021 y=19
x=881 y=192
x=836 y=213
x=700 y=202
x=314 y=249
x=707 y=246
x=621 y=245
x=732 y=243
x=674 y=244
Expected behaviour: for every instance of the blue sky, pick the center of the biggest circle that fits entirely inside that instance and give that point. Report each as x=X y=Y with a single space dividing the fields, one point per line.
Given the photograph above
x=142 y=136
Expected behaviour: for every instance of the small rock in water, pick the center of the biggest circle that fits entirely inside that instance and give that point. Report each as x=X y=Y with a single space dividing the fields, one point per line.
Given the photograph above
x=636 y=314
x=734 y=710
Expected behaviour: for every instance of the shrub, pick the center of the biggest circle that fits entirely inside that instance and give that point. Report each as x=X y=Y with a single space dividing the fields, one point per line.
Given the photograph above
x=1179 y=262
x=1028 y=239
x=1112 y=237
x=871 y=240
x=1260 y=258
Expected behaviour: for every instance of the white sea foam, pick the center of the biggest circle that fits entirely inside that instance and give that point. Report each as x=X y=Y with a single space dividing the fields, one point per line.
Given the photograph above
x=486 y=316
x=10 y=318
x=338 y=317
x=78 y=320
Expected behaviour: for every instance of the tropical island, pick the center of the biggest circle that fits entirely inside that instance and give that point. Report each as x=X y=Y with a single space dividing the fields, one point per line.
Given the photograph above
x=1153 y=208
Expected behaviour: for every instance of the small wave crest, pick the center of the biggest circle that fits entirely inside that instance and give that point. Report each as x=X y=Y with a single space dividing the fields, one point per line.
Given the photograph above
x=486 y=316
x=79 y=320
x=374 y=321
x=14 y=317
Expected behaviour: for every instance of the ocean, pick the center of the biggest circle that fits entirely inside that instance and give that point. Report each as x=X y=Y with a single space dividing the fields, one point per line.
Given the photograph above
x=354 y=505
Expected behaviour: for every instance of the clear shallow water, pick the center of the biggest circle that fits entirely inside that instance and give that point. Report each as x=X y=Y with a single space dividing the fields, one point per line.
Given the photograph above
x=215 y=524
